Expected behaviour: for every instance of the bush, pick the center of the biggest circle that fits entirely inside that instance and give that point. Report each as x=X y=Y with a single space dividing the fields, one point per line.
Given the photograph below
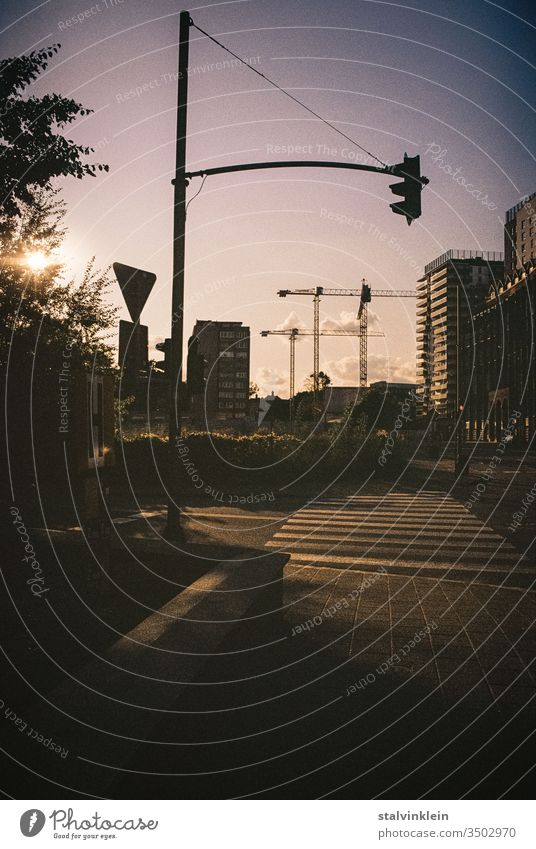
x=259 y=460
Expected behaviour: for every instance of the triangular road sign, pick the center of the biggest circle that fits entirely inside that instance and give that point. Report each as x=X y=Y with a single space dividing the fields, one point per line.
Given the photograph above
x=136 y=287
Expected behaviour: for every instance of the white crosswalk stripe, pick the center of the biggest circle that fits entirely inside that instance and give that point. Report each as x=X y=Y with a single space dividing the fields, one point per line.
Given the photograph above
x=399 y=531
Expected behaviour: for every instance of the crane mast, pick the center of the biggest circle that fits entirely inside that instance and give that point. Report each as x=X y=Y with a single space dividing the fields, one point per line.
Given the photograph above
x=364 y=294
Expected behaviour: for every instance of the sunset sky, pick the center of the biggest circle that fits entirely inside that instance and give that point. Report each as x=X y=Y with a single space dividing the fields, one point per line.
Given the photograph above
x=452 y=81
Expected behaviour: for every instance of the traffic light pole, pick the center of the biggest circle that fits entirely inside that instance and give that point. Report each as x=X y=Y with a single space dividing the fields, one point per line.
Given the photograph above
x=173 y=528
x=409 y=170
x=389 y=170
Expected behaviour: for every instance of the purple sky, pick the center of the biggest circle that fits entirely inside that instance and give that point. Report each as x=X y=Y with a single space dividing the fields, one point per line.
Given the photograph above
x=450 y=80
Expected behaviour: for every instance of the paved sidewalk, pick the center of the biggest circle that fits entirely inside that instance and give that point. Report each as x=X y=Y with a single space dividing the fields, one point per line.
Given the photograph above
x=412 y=587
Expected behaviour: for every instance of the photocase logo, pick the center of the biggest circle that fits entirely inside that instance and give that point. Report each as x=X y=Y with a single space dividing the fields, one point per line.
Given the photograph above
x=31 y=822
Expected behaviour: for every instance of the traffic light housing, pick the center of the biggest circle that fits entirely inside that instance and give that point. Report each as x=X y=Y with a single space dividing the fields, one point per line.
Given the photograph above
x=195 y=377
x=165 y=348
x=410 y=189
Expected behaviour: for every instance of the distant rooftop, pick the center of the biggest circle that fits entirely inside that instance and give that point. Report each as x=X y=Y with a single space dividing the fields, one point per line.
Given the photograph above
x=510 y=213
x=487 y=256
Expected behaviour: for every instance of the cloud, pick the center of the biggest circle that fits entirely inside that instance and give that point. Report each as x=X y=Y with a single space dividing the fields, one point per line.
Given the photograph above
x=345 y=372
x=348 y=321
x=271 y=379
x=292 y=320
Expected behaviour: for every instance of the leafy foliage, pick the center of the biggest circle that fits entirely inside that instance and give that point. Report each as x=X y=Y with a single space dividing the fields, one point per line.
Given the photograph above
x=48 y=324
x=324 y=380
x=33 y=148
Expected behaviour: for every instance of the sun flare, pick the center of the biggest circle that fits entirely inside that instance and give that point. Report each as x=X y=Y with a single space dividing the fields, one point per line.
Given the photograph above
x=37 y=260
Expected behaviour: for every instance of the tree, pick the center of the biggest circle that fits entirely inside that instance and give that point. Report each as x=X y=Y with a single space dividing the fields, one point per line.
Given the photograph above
x=324 y=380
x=42 y=314
x=379 y=408
x=254 y=389
x=33 y=149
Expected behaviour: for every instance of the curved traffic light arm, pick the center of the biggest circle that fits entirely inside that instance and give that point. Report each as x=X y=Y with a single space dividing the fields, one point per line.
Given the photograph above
x=409 y=170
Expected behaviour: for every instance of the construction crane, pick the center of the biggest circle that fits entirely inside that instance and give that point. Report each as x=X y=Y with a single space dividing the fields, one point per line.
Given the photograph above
x=365 y=292
x=292 y=333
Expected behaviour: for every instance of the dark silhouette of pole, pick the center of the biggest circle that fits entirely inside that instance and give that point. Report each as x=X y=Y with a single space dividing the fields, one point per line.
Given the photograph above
x=173 y=529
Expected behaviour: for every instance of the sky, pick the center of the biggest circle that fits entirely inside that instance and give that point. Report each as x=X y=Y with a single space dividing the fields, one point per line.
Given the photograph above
x=451 y=81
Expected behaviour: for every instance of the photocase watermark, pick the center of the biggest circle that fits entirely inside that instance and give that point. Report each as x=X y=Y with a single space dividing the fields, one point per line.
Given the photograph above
x=22 y=727
x=400 y=420
x=342 y=603
x=392 y=661
x=64 y=382
x=519 y=516
x=37 y=581
x=31 y=822
x=323 y=151
x=218 y=495
x=232 y=498
x=340 y=218
x=65 y=819
x=393 y=244
x=192 y=70
x=438 y=156
x=88 y=13
x=208 y=289
x=495 y=461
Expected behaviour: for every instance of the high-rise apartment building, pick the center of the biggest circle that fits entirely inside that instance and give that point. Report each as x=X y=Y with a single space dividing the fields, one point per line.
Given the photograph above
x=225 y=346
x=454 y=286
x=499 y=373
x=520 y=235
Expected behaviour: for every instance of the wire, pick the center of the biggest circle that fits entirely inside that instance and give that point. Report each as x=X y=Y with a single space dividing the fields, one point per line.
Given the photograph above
x=288 y=94
x=198 y=192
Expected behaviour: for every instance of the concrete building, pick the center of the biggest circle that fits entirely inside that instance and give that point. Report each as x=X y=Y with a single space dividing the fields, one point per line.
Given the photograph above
x=400 y=393
x=498 y=357
x=338 y=398
x=456 y=282
x=520 y=234
x=226 y=348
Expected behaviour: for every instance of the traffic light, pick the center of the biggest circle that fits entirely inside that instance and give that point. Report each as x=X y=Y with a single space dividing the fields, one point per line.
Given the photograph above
x=410 y=189
x=165 y=348
x=195 y=377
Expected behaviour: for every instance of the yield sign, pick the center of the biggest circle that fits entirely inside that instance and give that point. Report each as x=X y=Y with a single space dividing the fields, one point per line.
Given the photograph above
x=136 y=287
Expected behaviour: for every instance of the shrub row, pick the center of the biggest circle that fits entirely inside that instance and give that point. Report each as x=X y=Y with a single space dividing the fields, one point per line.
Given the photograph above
x=259 y=459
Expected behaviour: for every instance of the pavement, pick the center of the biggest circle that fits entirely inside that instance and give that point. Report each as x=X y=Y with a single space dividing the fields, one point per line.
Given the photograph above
x=397 y=665
x=371 y=576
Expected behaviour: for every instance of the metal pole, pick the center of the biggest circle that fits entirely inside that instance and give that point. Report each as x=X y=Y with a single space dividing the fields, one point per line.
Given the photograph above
x=292 y=340
x=316 y=348
x=173 y=529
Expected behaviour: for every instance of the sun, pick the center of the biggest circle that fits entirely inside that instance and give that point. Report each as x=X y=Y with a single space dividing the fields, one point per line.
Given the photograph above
x=37 y=260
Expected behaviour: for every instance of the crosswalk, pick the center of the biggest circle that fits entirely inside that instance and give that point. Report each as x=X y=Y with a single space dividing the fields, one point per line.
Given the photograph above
x=425 y=532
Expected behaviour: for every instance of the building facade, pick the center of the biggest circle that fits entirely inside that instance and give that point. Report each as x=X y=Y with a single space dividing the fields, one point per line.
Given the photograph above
x=498 y=357
x=520 y=235
x=454 y=286
x=226 y=348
